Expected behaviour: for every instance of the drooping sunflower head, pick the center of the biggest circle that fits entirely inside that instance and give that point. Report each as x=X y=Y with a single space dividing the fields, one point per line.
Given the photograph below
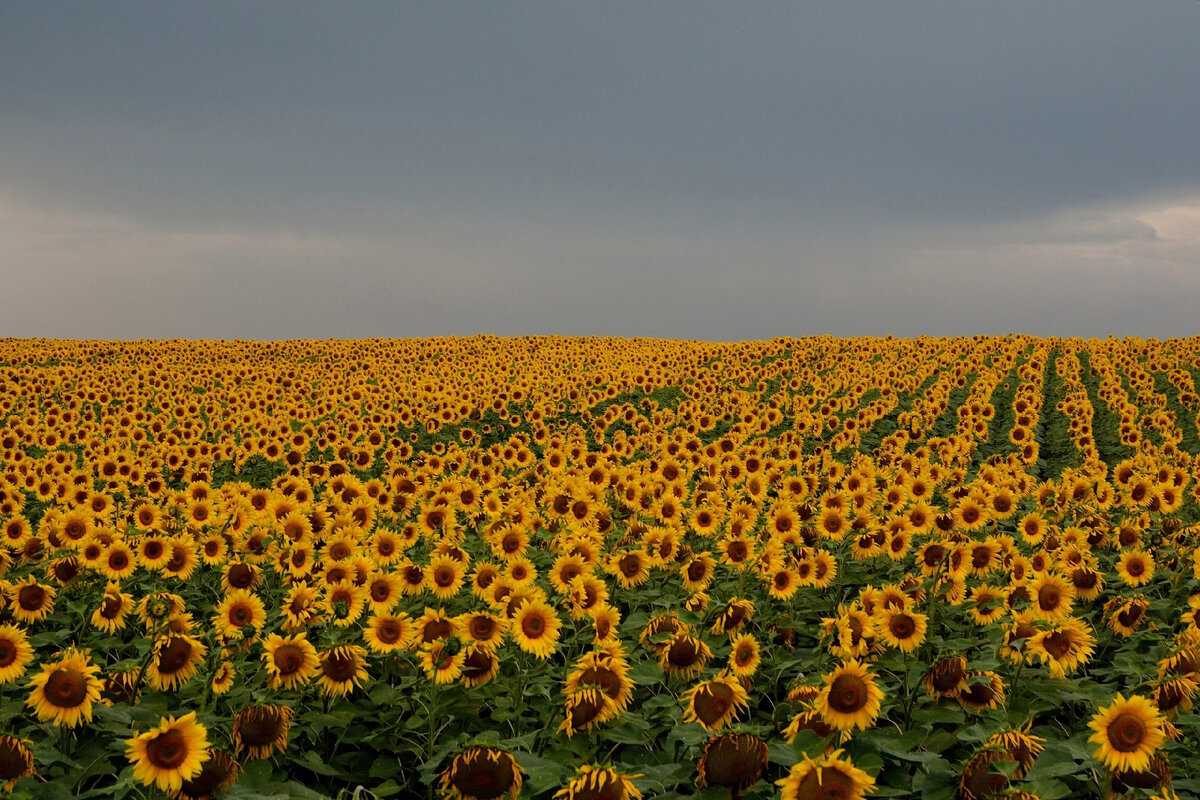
x=479 y=665
x=482 y=773
x=262 y=730
x=983 y=690
x=1020 y=746
x=734 y=761
x=175 y=661
x=714 y=703
x=16 y=761
x=828 y=777
x=342 y=669
x=586 y=709
x=216 y=775
x=684 y=655
x=600 y=783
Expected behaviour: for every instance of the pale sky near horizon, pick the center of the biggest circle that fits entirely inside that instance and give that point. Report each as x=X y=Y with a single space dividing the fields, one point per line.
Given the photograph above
x=675 y=169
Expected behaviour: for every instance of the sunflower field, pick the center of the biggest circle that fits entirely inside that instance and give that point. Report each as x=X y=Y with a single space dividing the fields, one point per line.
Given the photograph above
x=600 y=569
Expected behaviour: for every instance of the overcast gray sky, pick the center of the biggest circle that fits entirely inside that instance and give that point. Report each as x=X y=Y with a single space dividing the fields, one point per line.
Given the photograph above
x=676 y=169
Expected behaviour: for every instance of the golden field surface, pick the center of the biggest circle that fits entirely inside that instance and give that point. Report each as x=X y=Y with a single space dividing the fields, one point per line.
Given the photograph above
x=600 y=568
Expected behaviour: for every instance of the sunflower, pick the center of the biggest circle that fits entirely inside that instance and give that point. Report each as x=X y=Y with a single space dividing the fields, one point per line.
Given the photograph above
x=63 y=692
x=600 y=783
x=587 y=709
x=684 y=655
x=1020 y=746
x=1173 y=696
x=223 y=679
x=434 y=625
x=16 y=761
x=342 y=669
x=153 y=552
x=808 y=720
x=114 y=607
x=734 y=761
x=173 y=752
x=300 y=608
x=986 y=604
x=482 y=773
x=32 y=601
x=1125 y=616
x=853 y=632
x=183 y=560
x=1064 y=647
x=714 y=703
x=479 y=665
x=443 y=660
x=983 y=690
x=239 y=609
x=482 y=578
x=605 y=671
x=386 y=633
x=783 y=584
x=483 y=628
x=291 y=661
x=1136 y=567
x=585 y=594
x=444 y=576
x=174 y=661
x=217 y=774
x=1127 y=733
x=118 y=561
x=730 y=620
x=605 y=620
x=383 y=592
x=262 y=730
x=827 y=777
x=850 y=698
x=901 y=628
x=631 y=568
x=536 y=628
x=825 y=569
x=214 y=549
x=744 y=658
x=698 y=572
x=15 y=653
x=344 y=603
x=1052 y=597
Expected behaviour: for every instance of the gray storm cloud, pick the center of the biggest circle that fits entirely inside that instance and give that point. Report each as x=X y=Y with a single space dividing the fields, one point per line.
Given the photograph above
x=695 y=170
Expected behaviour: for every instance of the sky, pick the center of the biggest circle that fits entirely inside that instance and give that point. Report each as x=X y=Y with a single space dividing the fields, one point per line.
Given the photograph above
x=698 y=170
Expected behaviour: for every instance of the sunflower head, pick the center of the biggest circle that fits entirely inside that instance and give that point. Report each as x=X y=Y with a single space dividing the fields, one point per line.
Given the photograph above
x=63 y=692
x=173 y=752
x=216 y=775
x=1126 y=733
x=714 y=703
x=262 y=730
x=733 y=760
x=600 y=783
x=16 y=761
x=850 y=698
x=828 y=777
x=482 y=773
